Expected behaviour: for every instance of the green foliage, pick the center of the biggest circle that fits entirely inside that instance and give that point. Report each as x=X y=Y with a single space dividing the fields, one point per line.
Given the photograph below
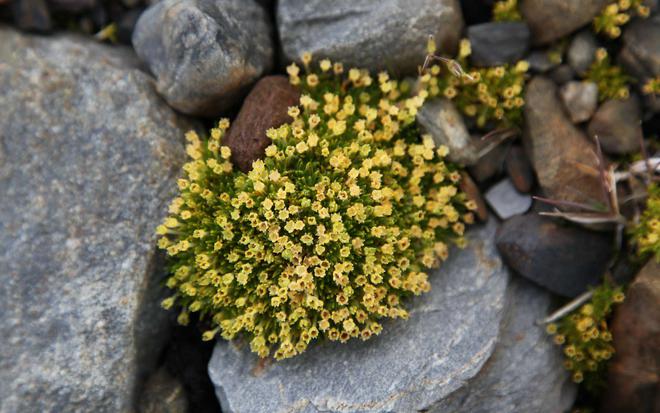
x=618 y=13
x=611 y=79
x=506 y=11
x=488 y=95
x=647 y=232
x=330 y=232
x=585 y=337
x=652 y=86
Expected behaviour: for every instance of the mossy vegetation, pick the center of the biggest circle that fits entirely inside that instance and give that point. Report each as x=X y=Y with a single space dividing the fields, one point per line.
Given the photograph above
x=646 y=233
x=612 y=81
x=617 y=14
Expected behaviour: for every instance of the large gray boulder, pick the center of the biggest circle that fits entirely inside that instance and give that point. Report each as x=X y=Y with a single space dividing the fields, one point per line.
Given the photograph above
x=205 y=54
x=411 y=366
x=390 y=35
x=88 y=158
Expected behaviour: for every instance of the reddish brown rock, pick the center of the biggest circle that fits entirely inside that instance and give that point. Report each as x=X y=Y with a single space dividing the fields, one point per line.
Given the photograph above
x=471 y=189
x=519 y=169
x=264 y=108
x=564 y=160
x=634 y=373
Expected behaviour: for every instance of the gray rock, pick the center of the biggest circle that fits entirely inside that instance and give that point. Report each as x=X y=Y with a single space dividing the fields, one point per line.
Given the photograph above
x=562 y=258
x=617 y=123
x=497 y=43
x=390 y=36
x=580 y=100
x=205 y=54
x=582 y=50
x=525 y=373
x=506 y=201
x=540 y=62
x=411 y=366
x=89 y=154
x=163 y=393
x=550 y=20
x=562 y=74
x=441 y=119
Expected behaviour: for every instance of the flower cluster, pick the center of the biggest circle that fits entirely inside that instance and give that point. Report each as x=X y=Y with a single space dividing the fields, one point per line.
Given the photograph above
x=611 y=80
x=328 y=234
x=618 y=13
x=652 y=86
x=506 y=11
x=487 y=95
x=647 y=232
x=585 y=336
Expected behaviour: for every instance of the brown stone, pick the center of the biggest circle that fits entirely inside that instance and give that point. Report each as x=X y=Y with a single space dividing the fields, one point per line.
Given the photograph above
x=617 y=123
x=264 y=108
x=550 y=20
x=471 y=189
x=490 y=164
x=519 y=169
x=634 y=373
x=565 y=162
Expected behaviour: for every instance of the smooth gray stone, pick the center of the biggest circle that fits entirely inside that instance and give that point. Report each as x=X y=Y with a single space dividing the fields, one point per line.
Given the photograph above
x=525 y=372
x=205 y=54
x=506 y=201
x=89 y=154
x=581 y=52
x=390 y=35
x=441 y=119
x=411 y=366
x=580 y=100
x=497 y=43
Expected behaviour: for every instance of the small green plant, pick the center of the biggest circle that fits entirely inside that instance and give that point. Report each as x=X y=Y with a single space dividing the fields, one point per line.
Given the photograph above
x=585 y=337
x=488 y=95
x=647 y=232
x=506 y=11
x=618 y=13
x=330 y=232
x=652 y=86
x=612 y=81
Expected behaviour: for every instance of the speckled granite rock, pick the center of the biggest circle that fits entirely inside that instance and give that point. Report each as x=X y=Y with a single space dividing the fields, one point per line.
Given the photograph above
x=205 y=53
x=411 y=366
x=390 y=36
x=88 y=158
x=525 y=373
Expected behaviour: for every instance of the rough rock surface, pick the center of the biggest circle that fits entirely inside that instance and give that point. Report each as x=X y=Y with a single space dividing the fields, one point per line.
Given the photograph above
x=641 y=48
x=89 y=154
x=563 y=259
x=565 y=162
x=163 y=393
x=205 y=54
x=617 y=123
x=551 y=19
x=411 y=366
x=580 y=100
x=497 y=43
x=391 y=36
x=443 y=121
x=634 y=384
x=524 y=374
x=265 y=107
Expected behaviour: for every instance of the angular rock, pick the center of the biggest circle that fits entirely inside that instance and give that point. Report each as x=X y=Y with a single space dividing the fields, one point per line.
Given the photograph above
x=391 y=36
x=88 y=161
x=490 y=164
x=497 y=43
x=265 y=107
x=441 y=119
x=550 y=20
x=565 y=163
x=205 y=54
x=519 y=169
x=411 y=366
x=506 y=201
x=582 y=50
x=163 y=394
x=31 y=15
x=633 y=382
x=525 y=373
x=563 y=259
x=617 y=123
x=473 y=193
x=580 y=100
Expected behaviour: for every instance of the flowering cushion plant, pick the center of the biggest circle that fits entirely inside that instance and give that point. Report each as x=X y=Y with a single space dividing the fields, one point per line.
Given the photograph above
x=330 y=232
